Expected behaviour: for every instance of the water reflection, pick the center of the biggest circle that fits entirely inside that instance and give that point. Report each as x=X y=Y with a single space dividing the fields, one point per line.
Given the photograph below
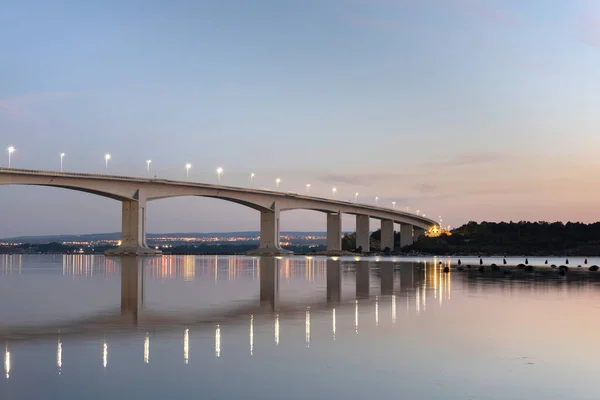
x=147 y=349
x=186 y=346
x=6 y=362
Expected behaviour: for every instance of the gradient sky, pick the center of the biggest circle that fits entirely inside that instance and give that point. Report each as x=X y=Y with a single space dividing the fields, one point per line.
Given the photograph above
x=468 y=109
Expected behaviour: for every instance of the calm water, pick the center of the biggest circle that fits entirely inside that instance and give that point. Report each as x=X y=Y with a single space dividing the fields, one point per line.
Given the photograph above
x=296 y=328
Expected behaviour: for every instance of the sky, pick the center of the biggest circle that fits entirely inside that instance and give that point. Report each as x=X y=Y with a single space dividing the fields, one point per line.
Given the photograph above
x=465 y=109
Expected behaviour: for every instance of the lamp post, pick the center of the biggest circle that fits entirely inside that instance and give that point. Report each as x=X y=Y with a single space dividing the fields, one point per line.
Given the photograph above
x=376 y=200
x=393 y=204
x=106 y=158
x=333 y=191
x=62 y=155
x=308 y=188
x=10 y=151
x=219 y=172
x=187 y=170
x=418 y=211
x=356 y=197
x=277 y=182
x=148 y=166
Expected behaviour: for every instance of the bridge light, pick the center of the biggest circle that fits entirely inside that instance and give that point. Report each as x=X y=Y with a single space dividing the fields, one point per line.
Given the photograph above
x=333 y=191
x=308 y=187
x=106 y=158
x=376 y=200
x=187 y=170
x=10 y=151
x=277 y=182
x=393 y=204
x=418 y=211
x=219 y=172
x=355 y=197
x=148 y=165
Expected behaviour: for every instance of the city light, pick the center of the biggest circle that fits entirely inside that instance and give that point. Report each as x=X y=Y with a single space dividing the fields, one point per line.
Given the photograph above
x=418 y=211
x=393 y=204
x=62 y=155
x=355 y=197
x=187 y=170
x=219 y=172
x=308 y=188
x=10 y=151
x=252 y=175
x=333 y=191
x=148 y=165
x=106 y=158
x=376 y=200
x=277 y=182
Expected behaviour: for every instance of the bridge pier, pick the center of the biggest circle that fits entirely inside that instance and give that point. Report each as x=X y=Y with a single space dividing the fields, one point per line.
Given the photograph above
x=334 y=282
x=269 y=234
x=406 y=235
x=418 y=232
x=269 y=283
x=133 y=231
x=362 y=233
x=132 y=288
x=387 y=234
x=334 y=232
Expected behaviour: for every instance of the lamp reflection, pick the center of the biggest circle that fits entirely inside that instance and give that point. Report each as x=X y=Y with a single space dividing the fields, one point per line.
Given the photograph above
x=7 y=362
x=333 y=322
x=276 y=325
x=186 y=345
x=252 y=335
x=393 y=309
x=147 y=349
x=218 y=342
x=356 y=316
x=307 y=337
x=59 y=355
x=376 y=311
x=104 y=354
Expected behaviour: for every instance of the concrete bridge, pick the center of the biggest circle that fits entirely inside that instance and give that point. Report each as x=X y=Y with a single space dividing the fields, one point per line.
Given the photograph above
x=135 y=192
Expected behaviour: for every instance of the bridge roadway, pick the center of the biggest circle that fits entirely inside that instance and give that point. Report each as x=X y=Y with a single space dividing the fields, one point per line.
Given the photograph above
x=135 y=192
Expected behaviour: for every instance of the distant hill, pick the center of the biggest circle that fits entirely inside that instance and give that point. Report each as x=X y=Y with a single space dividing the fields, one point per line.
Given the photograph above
x=117 y=236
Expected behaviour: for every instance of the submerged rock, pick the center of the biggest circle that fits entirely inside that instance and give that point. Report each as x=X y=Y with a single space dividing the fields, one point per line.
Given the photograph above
x=529 y=268
x=553 y=266
x=446 y=269
x=521 y=266
x=593 y=268
x=495 y=267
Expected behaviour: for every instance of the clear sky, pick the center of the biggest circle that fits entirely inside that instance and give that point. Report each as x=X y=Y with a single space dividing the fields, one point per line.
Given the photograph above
x=468 y=109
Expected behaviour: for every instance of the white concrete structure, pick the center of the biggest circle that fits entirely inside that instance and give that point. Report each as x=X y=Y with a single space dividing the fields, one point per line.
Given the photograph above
x=134 y=193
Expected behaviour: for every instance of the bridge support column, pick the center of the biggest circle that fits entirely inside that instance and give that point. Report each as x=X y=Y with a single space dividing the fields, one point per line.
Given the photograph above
x=334 y=282
x=363 y=284
x=406 y=235
x=132 y=288
x=334 y=232
x=269 y=283
x=387 y=234
x=362 y=233
x=418 y=232
x=269 y=234
x=133 y=230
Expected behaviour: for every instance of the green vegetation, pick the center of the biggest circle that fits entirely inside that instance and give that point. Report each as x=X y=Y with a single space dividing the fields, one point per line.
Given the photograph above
x=515 y=238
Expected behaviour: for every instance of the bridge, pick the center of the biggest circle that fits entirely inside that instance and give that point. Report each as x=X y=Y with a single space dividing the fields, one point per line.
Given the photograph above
x=135 y=192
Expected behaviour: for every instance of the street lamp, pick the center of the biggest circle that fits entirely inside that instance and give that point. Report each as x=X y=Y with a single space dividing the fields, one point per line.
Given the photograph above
x=252 y=175
x=148 y=165
x=355 y=197
x=308 y=187
x=219 y=172
x=376 y=200
x=62 y=155
x=333 y=191
x=418 y=211
x=106 y=158
x=10 y=151
x=277 y=182
x=187 y=170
